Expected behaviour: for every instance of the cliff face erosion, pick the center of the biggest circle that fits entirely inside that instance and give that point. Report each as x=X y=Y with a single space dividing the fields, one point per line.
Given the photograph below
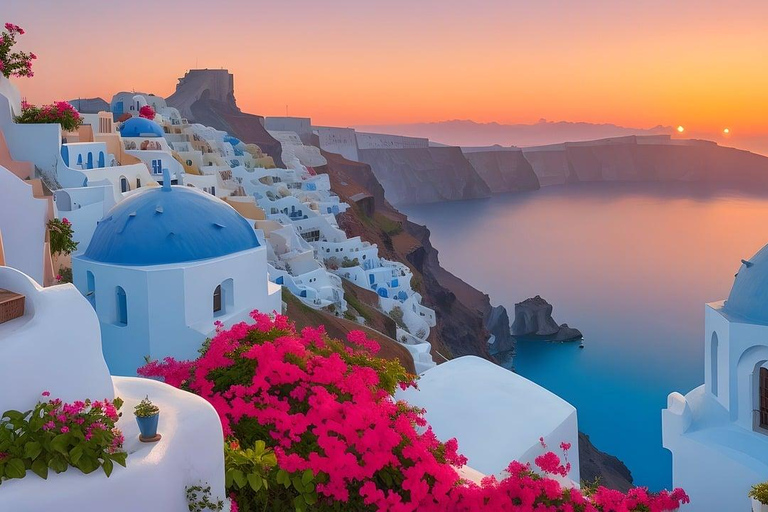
x=425 y=175
x=649 y=159
x=504 y=170
x=465 y=317
x=207 y=96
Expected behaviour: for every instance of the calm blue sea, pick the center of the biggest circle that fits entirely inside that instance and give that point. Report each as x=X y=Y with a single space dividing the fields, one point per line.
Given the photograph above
x=632 y=266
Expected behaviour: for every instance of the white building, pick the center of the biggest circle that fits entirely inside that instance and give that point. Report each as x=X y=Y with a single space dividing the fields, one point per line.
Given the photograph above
x=55 y=346
x=718 y=432
x=163 y=266
x=496 y=415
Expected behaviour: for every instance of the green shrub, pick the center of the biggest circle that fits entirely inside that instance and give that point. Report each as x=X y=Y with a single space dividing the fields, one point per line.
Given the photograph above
x=60 y=236
x=760 y=492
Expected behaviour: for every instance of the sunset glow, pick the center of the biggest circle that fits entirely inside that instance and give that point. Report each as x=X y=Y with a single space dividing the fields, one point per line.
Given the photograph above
x=347 y=63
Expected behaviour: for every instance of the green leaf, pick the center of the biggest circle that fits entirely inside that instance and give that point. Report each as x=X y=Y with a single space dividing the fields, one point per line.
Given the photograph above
x=239 y=478
x=15 y=468
x=88 y=464
x=13 y=415
x=75 y=454
x=297 y=484
x=58 y=463
x=32 y=450
x=299 y=503
x=119 y=457
x=40 y=468
x=307 y=476
x=228 y=479
x=311 y=499
x=255 y=480
x=259 y=447
x=60 y=443
x=107 y=466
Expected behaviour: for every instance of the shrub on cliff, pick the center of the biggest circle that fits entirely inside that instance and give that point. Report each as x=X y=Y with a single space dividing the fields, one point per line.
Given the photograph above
x=312 y=424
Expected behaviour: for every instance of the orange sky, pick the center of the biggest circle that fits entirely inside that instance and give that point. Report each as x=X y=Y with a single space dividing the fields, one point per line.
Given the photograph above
x=696 y=63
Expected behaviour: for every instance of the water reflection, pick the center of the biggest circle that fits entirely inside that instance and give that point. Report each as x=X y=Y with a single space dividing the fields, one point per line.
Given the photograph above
x=631 y=266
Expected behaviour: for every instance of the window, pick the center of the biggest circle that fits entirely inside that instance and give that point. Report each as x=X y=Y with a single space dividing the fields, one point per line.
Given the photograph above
x=122 y=306
x=90 y=288
x=763 y=398
x=217 y=300
x=713 y=363
x=124 y=187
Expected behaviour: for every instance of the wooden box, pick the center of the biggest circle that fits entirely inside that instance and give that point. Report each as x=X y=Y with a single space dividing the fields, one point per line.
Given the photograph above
x=11 y=305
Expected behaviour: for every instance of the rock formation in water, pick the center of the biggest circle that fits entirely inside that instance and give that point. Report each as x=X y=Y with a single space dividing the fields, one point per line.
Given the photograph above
x=655 y=158
x=207 y=96
x=594 y=464
x=533 y=317
x=425 y=175
x=503 y=170
x=90 y=105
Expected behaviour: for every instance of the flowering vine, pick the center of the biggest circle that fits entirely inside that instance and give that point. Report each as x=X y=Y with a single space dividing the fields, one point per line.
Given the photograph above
x=147 y=112
x=311 y=423
x=59 y=112
x=14 y=63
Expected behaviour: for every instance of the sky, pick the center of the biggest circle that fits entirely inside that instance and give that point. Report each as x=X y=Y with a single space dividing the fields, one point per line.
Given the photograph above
x=699 y=64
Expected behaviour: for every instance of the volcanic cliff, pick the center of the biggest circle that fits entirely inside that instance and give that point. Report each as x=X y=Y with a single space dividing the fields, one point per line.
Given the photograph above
x=207 y=96
x=425 y=175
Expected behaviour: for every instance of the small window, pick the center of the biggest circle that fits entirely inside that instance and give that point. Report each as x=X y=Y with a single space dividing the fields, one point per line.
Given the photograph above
x=217 y=300
x=90 y=288
x=124 y=186
x=122 y=306
x=763 y=398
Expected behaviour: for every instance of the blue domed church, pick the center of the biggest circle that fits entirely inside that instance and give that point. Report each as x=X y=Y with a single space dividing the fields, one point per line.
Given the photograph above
x=718 y=432
x=163 y=266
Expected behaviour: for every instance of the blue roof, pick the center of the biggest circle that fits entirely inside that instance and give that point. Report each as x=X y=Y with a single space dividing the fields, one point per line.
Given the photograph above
x=749 y=295
x=140 y=127
x=160 y=225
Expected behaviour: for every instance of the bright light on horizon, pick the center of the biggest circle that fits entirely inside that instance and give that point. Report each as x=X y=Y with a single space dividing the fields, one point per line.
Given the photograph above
x=680 y=129
x=726 y=131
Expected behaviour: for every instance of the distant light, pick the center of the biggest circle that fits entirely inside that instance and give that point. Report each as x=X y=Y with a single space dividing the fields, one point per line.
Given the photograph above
x=726 y=131
x=680 y=129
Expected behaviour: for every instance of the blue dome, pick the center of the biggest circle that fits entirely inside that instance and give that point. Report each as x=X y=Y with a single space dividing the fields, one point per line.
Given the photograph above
x=140 y=127
x=157 y=226
x=749 y=295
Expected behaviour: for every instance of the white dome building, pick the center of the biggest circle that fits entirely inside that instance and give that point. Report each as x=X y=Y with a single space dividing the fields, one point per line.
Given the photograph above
x=163 y=266
x=718 y=433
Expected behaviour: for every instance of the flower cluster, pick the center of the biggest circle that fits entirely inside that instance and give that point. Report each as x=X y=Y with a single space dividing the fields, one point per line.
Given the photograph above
x=147 y=112
x=56 y=435
x=14 y=63
x=59 y=112
x=311 y=423
x=60 y=236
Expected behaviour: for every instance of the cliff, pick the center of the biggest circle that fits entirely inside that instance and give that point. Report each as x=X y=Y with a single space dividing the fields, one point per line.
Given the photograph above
x=649 y=159
x=425 y=175
x=207 y=96
x=465 y=317
x=504 y=170
x=594 y=464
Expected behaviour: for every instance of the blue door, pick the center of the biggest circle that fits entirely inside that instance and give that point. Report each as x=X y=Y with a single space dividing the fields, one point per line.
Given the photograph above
x=90 y=161
x=157 y=167
x=382 y=292
x=372 y=278
x=101 y=159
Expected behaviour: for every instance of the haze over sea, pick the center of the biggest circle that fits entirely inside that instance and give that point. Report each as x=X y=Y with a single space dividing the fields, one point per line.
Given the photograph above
x=631 y=265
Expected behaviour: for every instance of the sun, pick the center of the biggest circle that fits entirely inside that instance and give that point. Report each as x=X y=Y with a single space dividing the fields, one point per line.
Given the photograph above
x=680 y=129
x=726 y=131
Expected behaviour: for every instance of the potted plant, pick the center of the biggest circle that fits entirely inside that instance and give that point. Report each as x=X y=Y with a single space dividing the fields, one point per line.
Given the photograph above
x=759 y=495
x=147 y=415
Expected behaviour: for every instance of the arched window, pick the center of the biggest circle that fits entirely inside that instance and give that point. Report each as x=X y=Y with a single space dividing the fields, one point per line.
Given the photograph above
x=223 y=298
x=217 y=300
x=713 y=363
x=124 y=186
x=122 y=306
x=90 y=283
x=763 y=397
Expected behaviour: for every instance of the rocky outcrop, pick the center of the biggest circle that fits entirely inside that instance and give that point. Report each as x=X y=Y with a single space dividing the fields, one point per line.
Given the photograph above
x=425 y=175
x=207 y=96
x=649 y=159
x=90 y=105
x=504 y=170
x=607 y=469
x=533 y=317
x=465 y=316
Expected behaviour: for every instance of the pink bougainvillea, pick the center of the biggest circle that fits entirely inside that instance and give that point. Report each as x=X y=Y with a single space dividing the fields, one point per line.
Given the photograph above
x=14 y=63
x=147 y=112
x=325 y=412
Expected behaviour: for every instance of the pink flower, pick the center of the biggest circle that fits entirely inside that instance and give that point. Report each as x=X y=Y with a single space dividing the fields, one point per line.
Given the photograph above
x=46 y=393
x=64 y=429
